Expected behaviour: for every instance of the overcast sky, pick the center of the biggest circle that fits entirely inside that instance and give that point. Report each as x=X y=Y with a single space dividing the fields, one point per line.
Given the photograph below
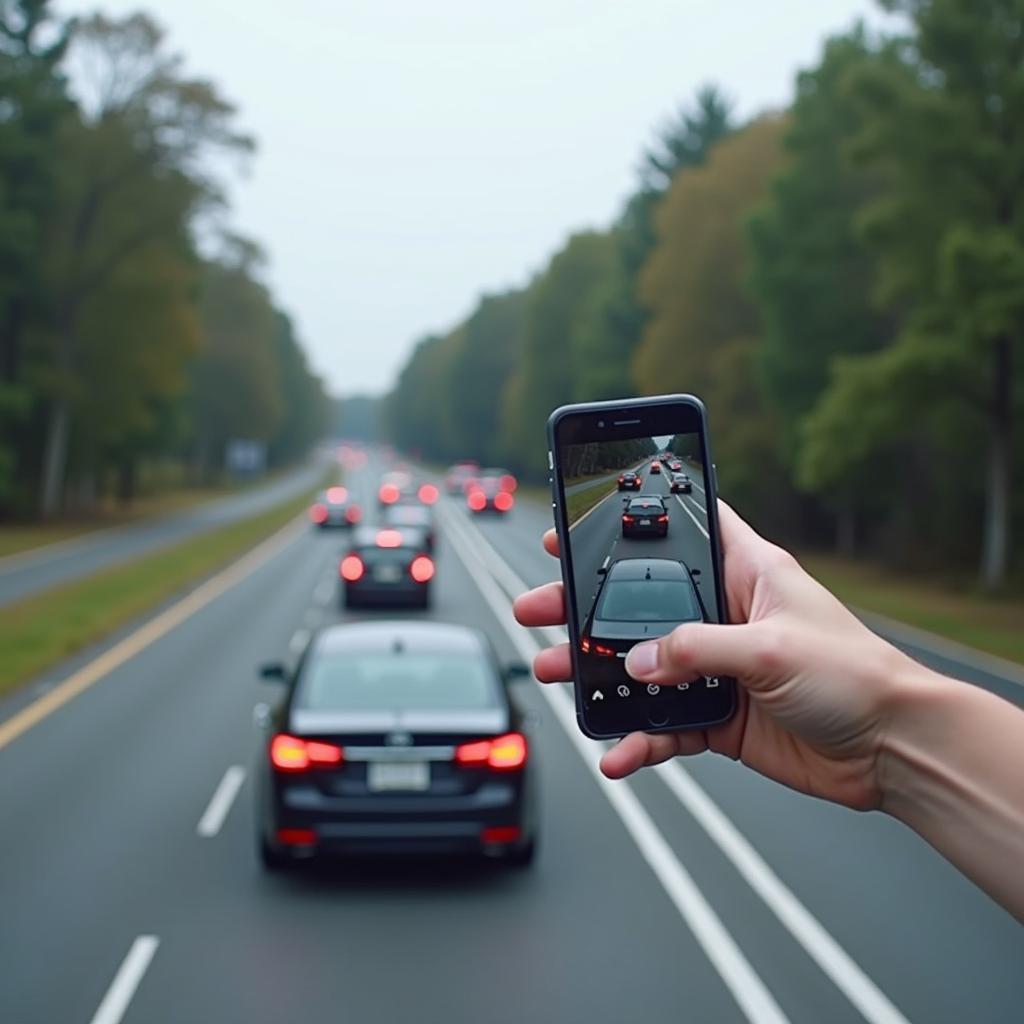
x=413 y=154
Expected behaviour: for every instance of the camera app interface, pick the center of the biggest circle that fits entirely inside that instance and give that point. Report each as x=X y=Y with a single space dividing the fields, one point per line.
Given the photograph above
x=640 y=551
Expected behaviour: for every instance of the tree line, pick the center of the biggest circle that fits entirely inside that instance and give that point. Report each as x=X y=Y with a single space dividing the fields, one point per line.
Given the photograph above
x=842 y=282
x=135 y=331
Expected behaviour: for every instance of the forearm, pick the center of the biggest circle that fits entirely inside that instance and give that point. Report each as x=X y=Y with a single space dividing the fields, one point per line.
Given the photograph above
x=953 y=770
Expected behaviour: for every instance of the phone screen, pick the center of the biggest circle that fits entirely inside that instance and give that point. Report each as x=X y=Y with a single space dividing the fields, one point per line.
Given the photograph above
x=636 y=495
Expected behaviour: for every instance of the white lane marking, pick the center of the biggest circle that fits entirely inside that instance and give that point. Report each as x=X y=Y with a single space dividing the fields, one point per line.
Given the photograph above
x=696 y=522
x=313 y=617
x=126 y=981
x=819 y=944
x=751 y=994
x=593 y=509
x=847 y=976
x=221 y=801
x=697 y=505
x=298 y=641
x=324 y=591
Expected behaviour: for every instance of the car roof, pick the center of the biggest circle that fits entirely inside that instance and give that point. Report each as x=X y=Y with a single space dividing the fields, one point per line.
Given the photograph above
x=366 y=537
x=646 y=497
x=639 y=568
x=409 y=636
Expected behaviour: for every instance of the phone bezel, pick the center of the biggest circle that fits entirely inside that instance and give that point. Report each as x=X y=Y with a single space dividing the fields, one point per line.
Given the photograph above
x=622 y=419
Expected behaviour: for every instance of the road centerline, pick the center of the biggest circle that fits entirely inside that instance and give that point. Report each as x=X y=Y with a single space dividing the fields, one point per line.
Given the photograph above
x=220 y=803
x=126 y=981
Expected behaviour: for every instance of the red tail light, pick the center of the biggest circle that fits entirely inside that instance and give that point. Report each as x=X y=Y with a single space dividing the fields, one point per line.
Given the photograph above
x=353 y=514
x=336 y=495
x=318 y=513
x=389 y=494
x=422 y=569
x=588 y=646
x=628 y=519
x=351 y=568
x=477 y=501
x=428 y=494
x=292 y=754
x=501 y=834
x=296 y=836
x=503 y=501
x=507 y=482
x=662 y=519
x=389 y=538
x=506 y=753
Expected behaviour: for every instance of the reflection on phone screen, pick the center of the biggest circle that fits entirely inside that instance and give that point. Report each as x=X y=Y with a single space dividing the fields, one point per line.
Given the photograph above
x=640 y=551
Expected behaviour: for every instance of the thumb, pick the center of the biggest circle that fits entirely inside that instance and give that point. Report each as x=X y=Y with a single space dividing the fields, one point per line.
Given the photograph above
x=699 y=649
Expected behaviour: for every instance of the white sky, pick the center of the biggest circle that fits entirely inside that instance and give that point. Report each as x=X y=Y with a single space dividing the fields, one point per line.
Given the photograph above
x=414 y=155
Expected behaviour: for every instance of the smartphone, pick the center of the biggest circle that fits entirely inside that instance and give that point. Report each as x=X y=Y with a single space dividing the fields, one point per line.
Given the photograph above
x=635 y=508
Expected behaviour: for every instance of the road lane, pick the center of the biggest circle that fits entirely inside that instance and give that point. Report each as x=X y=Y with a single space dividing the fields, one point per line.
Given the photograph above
x=31 y=573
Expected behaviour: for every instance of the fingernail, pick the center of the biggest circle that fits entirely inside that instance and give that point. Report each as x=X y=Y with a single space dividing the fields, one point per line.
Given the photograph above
x=642 y=660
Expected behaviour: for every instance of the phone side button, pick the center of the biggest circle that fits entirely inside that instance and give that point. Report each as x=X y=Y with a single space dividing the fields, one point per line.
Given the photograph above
x=657 y=719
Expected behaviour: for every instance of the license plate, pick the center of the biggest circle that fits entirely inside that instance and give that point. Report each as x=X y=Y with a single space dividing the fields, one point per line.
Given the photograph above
x=382 y=776
x=387 y=574
x=645 y=522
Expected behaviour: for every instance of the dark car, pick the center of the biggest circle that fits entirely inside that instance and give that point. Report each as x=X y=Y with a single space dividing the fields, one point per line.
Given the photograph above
x=655 y=466
x=334 y=507
x=387 y=566
x=637 y=599
x=491 y=491
x=664 y=456
x=406 y=515
x=644 y=515
x=674 y=466
x=395 y=737
x=680 y=484
x=457 y=476
x=629 y=481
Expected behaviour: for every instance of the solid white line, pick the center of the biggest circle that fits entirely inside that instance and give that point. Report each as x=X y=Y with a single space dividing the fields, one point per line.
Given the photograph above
x=697 y=505
x=847 y=976
x=298 y=641
x=751 y=994
x=126 y=981
x=221 y=801
x=834 y=961
x=592 y=509
x=696 y=522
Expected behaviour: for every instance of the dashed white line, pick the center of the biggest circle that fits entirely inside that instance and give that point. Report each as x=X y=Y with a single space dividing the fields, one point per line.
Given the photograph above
x=696 y=522
x=126 y=981
x=298 y=641
x=221 y=801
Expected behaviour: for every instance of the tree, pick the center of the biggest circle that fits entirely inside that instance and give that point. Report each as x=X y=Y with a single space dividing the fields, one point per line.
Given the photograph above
x=941 y=124
x=703 y=331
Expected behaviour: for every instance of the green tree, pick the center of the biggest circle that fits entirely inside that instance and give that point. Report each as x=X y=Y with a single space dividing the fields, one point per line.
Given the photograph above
x=304 y=416
x=942 y=127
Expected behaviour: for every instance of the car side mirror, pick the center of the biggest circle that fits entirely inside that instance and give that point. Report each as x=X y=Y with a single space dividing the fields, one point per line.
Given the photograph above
x=274 y=671
x=517 y=670
x=695 y=573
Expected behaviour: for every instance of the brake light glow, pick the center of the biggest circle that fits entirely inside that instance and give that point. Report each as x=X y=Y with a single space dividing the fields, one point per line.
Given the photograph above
x=292 y=754
x=389 y=538
x=507 y=482
x=353 y=514
x=428 y=494
x=501 y=834
x=296 y=836
x=588 y=646
x=662 y=519
x=503 y=501
x=422 y=569
x=505 y=753
x=628 y=519
x=389 y=494
x=351 y=568
x=477 y=501
x=336 y=495
x=318 y=513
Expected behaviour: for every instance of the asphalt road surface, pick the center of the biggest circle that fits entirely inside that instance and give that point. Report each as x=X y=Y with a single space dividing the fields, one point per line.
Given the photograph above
x=32 y=572
x=131 y=889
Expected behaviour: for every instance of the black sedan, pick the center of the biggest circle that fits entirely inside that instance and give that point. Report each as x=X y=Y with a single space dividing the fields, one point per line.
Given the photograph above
x=680 y=484
x=334 y=507
x=644 y=515
x=629 y=481
x=637 y=599
x=387 y=566
x=395 y=737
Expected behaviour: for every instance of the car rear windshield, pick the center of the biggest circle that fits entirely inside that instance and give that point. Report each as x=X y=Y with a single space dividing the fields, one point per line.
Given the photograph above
x=382 y=681
x=407 y=515
x=651 y=505
x=648 y=601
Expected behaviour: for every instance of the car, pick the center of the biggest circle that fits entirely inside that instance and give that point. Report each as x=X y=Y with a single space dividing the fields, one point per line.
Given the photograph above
x=395 y=738
x=457 y=475
x=398 y=487
x=655 y=466
x=334 y=507
x=414 y=516
x=387 y=566
x=629 y=481
x=636 y=599
x=644 y=515
x=680 y=483
x=491 y=491
x=674 y=466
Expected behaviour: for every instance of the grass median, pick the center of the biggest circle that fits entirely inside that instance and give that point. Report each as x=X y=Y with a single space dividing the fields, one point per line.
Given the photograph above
x=39 y=632
x=579 y=503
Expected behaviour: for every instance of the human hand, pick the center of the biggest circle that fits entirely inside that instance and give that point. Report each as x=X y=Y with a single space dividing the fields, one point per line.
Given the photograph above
x=815 y=685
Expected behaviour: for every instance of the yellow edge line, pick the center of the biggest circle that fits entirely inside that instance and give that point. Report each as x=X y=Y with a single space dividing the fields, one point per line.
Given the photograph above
x=148 y=633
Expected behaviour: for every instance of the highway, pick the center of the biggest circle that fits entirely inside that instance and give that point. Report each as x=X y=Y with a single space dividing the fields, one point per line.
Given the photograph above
x=32 y=572
x=701 y=892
